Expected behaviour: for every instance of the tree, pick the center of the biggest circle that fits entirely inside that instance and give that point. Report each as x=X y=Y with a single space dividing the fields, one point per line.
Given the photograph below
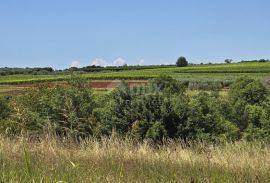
x=228 y=61
x=262 y=60
x=181 y=62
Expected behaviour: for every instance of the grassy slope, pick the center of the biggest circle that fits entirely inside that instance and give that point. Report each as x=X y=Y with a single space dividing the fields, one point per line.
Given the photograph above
x=112 y=160
x=214 y=72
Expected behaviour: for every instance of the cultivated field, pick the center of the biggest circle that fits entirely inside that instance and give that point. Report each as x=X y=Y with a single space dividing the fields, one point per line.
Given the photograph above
x=212 y=72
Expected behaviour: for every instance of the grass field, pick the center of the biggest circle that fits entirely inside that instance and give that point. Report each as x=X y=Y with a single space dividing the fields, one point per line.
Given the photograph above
x=114 y=160
x=200 y=73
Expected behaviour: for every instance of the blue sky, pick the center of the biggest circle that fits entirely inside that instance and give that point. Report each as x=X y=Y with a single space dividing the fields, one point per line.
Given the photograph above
x=59 y=33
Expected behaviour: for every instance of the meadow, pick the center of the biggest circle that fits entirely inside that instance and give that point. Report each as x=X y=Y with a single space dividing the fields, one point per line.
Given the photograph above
x=124 y=160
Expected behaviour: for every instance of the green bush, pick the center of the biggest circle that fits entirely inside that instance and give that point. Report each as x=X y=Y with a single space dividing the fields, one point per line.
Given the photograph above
x=61 y=110
x=4 y=108
x=169 y=85
x=258 y=127
x=250 y=108
x=138 y=110
x=156 y=132
x=157 y=115
x=206 y=121
x=248 y=90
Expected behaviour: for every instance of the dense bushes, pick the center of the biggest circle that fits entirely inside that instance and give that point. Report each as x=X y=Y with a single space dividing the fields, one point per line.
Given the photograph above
x=250 y=108
x=146 y=112
x=206 y=121
x=248 y=90
x=163 y=109
x=60 y=110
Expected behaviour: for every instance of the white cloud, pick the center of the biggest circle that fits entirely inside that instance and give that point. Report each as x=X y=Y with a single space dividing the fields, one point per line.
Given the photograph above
x=141 y=62
x=100 y=62
x=75 y=64
x=119 y=62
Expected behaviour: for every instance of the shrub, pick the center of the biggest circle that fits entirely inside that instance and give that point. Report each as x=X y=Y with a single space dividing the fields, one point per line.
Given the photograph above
x=156 y=132
x=169 y=85
x=248 y=90
x=258 y=127
x=61 y=110
x=4 y=108
x=205 y=120
x=247 y=96
x=145 y=112
x=157 y=115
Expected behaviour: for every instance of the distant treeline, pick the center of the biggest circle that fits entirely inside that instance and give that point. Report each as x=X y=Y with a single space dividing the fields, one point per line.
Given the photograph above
x=261 y=60
x=36 y=71
x=94 y=68
x=49 y=70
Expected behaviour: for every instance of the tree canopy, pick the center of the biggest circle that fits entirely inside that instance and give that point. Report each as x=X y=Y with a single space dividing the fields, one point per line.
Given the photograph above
x=181 y=62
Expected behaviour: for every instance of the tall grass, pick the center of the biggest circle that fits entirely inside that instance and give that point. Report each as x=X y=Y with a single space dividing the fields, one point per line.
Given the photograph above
x=123 y=160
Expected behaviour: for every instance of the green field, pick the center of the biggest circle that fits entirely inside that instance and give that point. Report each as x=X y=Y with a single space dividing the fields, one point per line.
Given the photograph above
x=197 y=73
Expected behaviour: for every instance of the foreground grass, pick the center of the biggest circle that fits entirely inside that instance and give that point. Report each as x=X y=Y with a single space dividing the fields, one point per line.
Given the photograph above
x=113 y=160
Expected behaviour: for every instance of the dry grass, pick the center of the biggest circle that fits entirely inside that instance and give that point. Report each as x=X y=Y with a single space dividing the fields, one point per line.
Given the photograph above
x=115 y=160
